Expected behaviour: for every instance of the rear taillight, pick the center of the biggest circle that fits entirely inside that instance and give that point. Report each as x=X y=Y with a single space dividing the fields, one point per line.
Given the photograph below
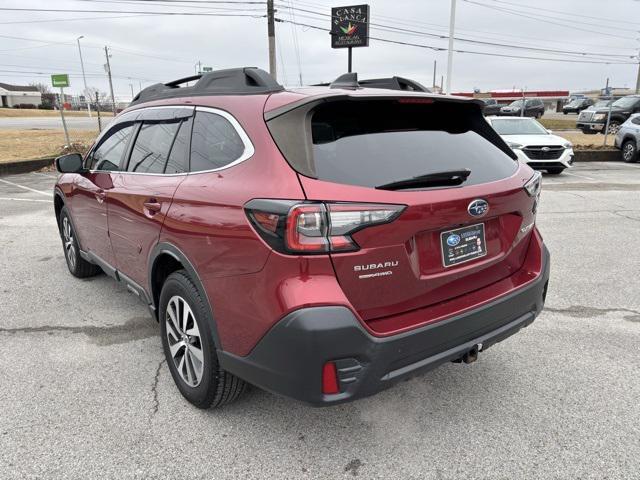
x=315 y=227
x=533 y=187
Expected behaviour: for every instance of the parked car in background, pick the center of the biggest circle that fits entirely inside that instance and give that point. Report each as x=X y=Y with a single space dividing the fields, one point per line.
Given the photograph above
x=277 y=245
x=533 y=107
x=577 y=105
x=628 y=138
x=491 y=106
x=594 y=121
x=534 y=144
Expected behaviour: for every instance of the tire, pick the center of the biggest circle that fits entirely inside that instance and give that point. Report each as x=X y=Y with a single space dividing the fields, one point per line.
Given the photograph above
x=614 y=126
x=555 y=170
x=630 y=151
x=194 y=364
x=539 y=115
x=564 y=113
x=78 y=266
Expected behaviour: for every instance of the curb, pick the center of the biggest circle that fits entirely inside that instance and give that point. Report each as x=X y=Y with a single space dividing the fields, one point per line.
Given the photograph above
x=25 y=166
x=597 y=156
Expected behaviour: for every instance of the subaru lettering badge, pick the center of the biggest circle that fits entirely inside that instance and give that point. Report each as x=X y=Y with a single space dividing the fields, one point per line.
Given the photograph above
x=453 y=240
x=478 y=208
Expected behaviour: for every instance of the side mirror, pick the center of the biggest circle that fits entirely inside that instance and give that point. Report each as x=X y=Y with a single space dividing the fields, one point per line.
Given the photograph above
x=549 y=131
x=71 y=163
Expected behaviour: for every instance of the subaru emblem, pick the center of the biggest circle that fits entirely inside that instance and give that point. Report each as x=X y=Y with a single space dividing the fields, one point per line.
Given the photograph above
x=545 y=149
x=478 y=208
x=453 y=240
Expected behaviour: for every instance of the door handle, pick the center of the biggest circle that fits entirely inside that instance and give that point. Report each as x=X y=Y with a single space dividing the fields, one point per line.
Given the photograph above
x=152 y=205
x=100 y=196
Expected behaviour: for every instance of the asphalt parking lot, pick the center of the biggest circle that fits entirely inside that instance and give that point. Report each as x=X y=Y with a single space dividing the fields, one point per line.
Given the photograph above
x=86 y=393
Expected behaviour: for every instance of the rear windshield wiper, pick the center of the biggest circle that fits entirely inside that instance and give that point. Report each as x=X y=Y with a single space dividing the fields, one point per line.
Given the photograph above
x=438 y=179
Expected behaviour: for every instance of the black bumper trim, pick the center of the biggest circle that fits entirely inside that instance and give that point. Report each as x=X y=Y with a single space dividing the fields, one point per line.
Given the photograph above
x=289 y=358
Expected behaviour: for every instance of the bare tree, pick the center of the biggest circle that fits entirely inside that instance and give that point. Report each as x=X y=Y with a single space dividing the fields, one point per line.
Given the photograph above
x=42 y=87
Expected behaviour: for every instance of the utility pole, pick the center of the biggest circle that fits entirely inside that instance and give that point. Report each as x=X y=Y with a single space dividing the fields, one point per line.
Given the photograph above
x=132 y=94
x=638 y=79
x=108 y=66
x=271 y=33
x=452 y=24
x=84 y=78
x=434 y=72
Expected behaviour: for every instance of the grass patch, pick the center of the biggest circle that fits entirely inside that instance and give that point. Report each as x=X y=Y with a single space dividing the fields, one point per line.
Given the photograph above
x=559 y=123
x=30 y=144
x=27 y=112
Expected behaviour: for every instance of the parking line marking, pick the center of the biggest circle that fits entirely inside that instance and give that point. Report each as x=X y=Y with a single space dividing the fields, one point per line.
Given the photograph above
x=579 y=176
x=25 y=199
x=48 y=194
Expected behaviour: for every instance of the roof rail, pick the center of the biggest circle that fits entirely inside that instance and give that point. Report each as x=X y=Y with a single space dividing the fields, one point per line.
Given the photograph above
x=394 y=83
x=350 y=81
x=232 y=81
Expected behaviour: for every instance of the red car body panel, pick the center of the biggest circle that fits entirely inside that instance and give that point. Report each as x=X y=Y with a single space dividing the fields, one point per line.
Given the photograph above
x=123 y=217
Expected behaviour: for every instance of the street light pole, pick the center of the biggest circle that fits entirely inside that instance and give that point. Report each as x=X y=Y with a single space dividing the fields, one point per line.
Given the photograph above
x=452 y=24
x=84 y=78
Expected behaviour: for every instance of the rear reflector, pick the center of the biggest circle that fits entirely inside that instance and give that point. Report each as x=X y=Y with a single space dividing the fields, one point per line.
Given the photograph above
x=330 y=379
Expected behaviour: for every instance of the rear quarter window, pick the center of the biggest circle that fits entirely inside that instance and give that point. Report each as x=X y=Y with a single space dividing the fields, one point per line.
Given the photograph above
x=215 y=143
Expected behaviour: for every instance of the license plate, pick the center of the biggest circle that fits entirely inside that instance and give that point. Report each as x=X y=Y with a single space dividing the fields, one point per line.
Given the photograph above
x=463 y=244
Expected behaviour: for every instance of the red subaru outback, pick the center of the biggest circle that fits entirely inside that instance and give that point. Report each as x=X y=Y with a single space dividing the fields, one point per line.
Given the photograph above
x=320 y=243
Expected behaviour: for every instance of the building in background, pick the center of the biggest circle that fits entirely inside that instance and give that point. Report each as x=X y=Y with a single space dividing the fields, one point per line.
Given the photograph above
x=12 y=95
x=552 y=99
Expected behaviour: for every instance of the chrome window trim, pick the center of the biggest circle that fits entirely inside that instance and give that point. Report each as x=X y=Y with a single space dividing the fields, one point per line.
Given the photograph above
x=248 y=152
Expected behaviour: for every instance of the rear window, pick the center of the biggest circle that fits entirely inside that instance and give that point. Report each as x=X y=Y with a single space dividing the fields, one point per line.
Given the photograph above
x=371 y=143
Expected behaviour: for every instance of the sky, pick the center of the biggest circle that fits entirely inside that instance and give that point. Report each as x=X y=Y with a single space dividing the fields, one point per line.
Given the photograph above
x=147 y=49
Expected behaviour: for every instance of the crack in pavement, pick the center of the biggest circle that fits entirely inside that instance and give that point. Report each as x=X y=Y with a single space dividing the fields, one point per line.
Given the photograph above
x=617 y=212
x=136 y=328
x=154 y=388
x=580 y=311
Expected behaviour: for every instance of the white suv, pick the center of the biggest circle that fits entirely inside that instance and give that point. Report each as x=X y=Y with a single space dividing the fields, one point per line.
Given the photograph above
x=534 y=144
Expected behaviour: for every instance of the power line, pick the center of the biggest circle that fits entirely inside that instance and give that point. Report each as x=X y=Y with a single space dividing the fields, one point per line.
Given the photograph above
x=540 y=19
x=71 y=10
x=408 y=22
x=163 y=3
x=393 y=29
x=472 y=52
x=571 y=14
x=69 y=19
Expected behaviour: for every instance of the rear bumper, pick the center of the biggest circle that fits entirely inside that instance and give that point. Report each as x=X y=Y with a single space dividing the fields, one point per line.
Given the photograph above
x=289 y=358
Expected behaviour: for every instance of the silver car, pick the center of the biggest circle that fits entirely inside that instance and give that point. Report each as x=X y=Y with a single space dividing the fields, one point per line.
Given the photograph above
x=628 y=138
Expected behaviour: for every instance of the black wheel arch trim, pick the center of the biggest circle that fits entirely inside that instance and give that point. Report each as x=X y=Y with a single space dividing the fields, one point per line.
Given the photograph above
x=73 y=224
x=170 y=249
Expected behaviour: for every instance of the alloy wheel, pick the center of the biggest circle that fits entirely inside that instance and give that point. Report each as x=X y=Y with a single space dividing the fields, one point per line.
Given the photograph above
x=185 y=344
x=627 y=152
x=69 y=244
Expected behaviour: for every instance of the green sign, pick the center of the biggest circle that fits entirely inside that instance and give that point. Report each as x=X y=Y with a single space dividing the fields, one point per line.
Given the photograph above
x=60 y=80
x=207 y=69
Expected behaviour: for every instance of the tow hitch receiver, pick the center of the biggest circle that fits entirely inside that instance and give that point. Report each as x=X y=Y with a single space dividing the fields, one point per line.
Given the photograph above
x=471 y=356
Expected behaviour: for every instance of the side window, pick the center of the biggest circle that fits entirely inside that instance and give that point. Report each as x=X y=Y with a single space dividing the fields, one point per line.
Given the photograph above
x=179 y=156
x=214 y=143
x=109 y=153
x=151 y=149
x=635 y=120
